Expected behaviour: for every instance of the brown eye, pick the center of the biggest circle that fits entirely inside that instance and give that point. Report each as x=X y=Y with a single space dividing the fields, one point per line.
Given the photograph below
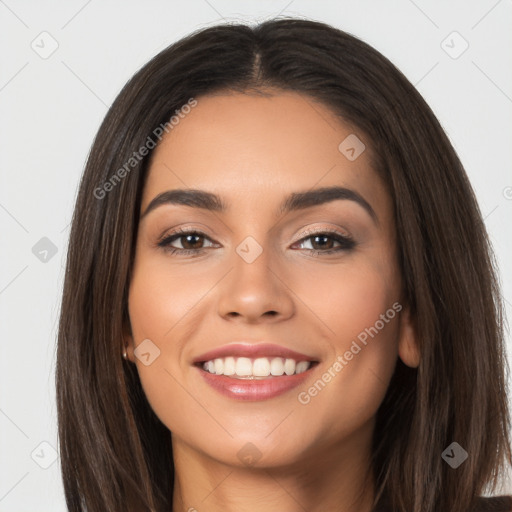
x=323 y=242
x=190 y=241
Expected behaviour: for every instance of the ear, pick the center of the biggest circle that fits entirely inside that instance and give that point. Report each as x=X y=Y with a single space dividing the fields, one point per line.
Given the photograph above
x=408 y=348
x=128 y=343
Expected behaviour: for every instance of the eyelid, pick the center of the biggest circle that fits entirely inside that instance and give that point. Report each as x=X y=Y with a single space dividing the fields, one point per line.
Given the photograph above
x=181 y=229
x=326 y=230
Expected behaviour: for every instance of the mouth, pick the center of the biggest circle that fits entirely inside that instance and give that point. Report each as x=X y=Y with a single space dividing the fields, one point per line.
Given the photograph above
x=260 y=368
x=254 y=372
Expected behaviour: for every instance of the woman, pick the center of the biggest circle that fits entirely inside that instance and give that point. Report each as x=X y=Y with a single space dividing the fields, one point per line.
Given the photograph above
x=276 y=234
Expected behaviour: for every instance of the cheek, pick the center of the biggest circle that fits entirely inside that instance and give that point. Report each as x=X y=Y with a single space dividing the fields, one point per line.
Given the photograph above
x=158 y=306
x=360 y=308
x=167 y=304
x=158 y=299
x=352 y=300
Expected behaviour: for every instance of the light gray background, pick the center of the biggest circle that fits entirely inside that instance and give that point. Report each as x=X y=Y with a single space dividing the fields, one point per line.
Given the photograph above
x=51 y=108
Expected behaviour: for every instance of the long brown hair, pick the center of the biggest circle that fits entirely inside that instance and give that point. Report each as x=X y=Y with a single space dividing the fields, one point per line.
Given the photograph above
x=115 y=453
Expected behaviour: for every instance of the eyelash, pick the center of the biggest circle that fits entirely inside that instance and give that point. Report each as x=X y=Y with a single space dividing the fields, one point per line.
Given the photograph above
x=346 y=242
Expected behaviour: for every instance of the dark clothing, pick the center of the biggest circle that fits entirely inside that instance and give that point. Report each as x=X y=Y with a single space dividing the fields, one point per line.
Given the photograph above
x=494 y=504
x=497 y=504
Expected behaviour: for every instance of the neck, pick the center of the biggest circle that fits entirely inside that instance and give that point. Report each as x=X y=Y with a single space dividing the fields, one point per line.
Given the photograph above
x=326 y=478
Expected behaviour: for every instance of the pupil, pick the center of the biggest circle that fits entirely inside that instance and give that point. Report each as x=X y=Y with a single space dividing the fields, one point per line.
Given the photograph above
x=188 y=237
x=320 y=237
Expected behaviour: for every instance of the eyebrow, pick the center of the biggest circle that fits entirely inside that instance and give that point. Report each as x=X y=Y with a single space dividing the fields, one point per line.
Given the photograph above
x=296 y=201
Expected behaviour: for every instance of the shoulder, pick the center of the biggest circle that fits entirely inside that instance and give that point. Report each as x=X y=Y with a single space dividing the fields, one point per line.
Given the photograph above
x=494 y=504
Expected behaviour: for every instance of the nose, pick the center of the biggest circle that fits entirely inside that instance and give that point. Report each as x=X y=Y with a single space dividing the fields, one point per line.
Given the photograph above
x=256 y=292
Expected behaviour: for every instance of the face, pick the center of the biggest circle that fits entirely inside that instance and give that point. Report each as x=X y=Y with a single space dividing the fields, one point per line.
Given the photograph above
x=275 y=320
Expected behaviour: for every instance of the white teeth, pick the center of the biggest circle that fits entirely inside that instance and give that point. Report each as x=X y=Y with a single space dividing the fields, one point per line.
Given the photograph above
x=302 y=367
x=219 y=366
x=243 y=366
x=261 y=367
x=289 y=367
x=229 y=366
x=276 y=366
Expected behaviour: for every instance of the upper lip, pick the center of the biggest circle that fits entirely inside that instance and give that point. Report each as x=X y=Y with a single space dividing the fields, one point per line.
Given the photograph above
x=252 y=350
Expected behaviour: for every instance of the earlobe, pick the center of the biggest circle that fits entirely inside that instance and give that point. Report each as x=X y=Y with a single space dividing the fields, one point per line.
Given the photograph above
x=127 y=343
x=408 y=348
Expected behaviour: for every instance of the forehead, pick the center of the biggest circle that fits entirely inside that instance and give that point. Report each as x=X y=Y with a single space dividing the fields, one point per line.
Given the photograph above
x=254 y=148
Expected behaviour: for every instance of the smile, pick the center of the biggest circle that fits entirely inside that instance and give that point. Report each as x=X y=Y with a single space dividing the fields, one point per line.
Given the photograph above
x=254 y=371
x=246 y=368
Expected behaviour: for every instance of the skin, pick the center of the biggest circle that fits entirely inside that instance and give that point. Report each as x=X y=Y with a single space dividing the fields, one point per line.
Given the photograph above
x=254 y=151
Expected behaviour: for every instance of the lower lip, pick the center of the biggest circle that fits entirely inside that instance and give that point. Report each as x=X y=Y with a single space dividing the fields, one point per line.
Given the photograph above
x=254 y=389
